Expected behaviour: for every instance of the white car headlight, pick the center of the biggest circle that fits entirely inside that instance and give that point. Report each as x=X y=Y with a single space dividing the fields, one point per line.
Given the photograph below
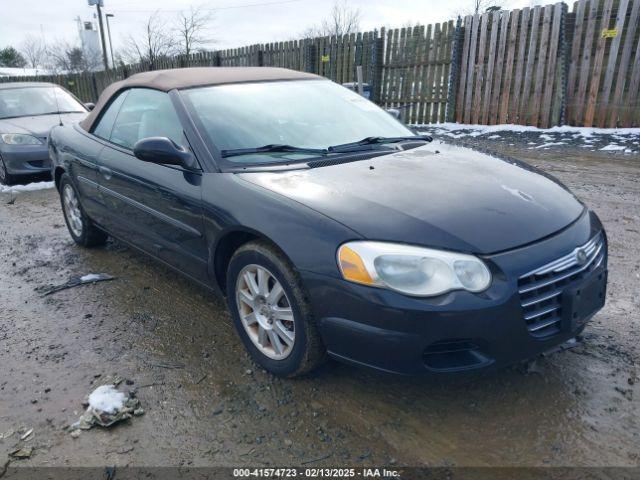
x=416 y=271
x=20 y=139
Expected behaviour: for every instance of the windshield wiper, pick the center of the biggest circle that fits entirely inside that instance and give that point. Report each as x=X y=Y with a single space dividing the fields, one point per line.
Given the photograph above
x=344 y=147
x=272 y=148
x=368 y=141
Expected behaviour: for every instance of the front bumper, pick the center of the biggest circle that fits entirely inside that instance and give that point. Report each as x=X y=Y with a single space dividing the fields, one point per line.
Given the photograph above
x=458 y=331
x=26 y=159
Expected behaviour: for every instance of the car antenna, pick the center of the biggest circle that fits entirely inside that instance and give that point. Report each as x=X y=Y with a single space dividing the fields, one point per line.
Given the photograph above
x=55 y=96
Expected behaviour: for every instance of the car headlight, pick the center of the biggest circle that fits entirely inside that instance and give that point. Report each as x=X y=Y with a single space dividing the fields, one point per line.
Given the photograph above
x=20 y=139
x=416 y=271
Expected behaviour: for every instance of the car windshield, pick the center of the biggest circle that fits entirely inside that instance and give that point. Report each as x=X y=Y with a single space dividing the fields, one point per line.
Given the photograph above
x=29 y=101
x=306 y=114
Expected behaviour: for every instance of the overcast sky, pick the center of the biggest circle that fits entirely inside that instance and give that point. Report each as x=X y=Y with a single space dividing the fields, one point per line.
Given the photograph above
x=235 y=22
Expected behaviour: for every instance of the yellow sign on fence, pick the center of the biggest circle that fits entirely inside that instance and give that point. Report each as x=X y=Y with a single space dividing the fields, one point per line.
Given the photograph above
x=609 y=33
x=325 y=58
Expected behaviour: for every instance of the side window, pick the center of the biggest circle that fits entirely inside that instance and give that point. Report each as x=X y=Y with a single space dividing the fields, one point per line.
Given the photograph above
x=105 y=123
x=146 y=113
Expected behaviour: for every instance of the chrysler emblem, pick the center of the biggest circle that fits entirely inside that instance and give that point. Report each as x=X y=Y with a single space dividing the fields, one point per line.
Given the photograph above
x=581 y=257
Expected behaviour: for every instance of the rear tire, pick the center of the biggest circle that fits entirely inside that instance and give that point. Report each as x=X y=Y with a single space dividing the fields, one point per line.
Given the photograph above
x=80 y=227
x=271 y=311
x=5 y=177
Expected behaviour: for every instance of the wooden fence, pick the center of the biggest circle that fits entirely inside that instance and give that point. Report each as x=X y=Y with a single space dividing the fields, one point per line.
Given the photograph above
x=604 y=79
x=546 y=66
x=539 y=66
x=509 y=71
x=416 y=71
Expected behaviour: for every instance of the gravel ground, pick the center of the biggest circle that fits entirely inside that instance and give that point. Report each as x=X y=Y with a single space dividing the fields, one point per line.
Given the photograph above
x=207 y=404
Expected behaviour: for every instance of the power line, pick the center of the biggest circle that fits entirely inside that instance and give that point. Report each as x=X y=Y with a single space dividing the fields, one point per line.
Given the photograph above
x=212 y=9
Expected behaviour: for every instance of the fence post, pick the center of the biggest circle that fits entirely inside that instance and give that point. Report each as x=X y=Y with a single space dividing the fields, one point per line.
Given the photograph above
x=260 y=57
x=454 y=77
x=559 y=109
x=377 y=64
x=311 y=56
x=94 y=85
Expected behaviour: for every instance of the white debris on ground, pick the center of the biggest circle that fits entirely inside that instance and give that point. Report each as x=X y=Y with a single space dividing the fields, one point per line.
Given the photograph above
x=614 y=140
x=75 y=281
x=30 y=187
x=107 y=399
x=91 y=277
x=107 y=405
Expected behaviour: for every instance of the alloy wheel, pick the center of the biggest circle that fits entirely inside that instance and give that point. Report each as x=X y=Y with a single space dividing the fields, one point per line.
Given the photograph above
x=72 y=210
x=265 y=312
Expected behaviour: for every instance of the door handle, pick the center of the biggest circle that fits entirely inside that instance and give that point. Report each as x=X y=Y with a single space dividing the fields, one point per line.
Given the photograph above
x=106 y=172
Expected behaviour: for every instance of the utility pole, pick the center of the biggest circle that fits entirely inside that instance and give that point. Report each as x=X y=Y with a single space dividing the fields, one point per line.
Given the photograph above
x=98 y=4
x=113 y=60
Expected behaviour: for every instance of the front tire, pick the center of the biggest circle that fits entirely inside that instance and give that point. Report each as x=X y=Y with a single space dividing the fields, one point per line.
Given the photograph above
x=271 y=312
x=5 y=177
x=80 y=227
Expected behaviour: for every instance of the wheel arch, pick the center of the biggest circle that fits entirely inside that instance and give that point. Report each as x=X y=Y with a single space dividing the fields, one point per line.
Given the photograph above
x=57 y=175
x=227 y=244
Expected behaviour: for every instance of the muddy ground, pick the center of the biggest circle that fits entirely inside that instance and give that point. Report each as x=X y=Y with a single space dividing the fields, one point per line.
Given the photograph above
x=207 y=404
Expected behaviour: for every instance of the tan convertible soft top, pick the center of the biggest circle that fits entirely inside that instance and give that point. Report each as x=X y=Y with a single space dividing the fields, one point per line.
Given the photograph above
x=166 y=80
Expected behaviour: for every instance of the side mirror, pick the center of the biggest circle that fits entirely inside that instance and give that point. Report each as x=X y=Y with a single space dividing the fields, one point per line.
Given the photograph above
x=89 y=106
x=163 y=151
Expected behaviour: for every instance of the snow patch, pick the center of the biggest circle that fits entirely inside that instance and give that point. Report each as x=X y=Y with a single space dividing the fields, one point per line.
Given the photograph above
x=550 y=144
x=612 y=147
x=107 y=399
x=30 y=187
x=585 y=132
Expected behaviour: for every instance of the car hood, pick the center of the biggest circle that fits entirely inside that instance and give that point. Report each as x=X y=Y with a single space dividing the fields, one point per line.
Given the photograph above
x=438 y=195
x=38 y=125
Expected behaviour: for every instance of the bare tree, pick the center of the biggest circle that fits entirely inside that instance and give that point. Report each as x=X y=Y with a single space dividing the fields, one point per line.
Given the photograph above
x=34 y=51
x=342 y=20
x=157 y=41
x=475 y=7
x=191 y=28
x=65 y=57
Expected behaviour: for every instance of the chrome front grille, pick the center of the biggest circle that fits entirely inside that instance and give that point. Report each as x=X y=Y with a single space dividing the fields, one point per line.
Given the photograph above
x=541 y=289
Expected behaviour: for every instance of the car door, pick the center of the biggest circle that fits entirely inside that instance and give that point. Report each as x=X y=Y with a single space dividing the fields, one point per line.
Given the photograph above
x=86 y=161
x=155 y=207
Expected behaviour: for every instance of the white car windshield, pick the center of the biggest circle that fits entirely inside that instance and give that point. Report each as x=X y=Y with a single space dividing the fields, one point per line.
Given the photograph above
x=30 y=101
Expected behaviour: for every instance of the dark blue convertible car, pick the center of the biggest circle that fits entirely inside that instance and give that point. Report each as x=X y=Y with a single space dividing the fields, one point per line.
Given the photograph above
x=332 y=229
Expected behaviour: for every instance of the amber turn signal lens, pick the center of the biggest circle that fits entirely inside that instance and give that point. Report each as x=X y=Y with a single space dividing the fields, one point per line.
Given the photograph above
x=352 y=266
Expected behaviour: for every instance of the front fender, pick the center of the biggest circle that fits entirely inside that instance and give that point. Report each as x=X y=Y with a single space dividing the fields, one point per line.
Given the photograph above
x=308 y=238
